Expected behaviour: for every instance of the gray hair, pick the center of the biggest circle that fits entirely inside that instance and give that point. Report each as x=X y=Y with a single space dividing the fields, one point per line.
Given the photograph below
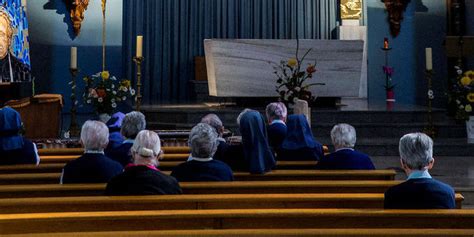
x=242 y=113
x=416 y=150
x=343 y=135
x=94 y=135
x=147 y=144
x=214 y=121
x=276 y=110
x=203 y=141
x=132 y=124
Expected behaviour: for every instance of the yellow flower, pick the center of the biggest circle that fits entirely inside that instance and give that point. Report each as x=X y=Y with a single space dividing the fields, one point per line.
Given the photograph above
x=469 y=74
x=126 y=83
x=468 y=108
x=470 y=97
x=105 y=75
x=465 y=81
x=292 y=62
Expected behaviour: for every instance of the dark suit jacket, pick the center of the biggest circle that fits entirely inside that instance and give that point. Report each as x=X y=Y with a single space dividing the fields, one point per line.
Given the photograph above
x=91 y=168
x=306 y=153
x=141 y=180
x=213 y=170
x=423 y=193
x=25 y=155
x=346 y=159
x=232 y=155
x=276 y=134
x=121 y=154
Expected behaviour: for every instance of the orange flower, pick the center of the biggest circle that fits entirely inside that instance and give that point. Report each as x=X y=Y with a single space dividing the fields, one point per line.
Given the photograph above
x=101 y=93
x=311 y=69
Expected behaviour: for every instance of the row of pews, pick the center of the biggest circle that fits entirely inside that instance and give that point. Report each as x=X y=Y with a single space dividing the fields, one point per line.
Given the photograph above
x=294 y=200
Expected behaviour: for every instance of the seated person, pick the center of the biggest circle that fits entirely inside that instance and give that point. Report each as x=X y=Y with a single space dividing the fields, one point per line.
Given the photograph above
x=420 y=191
x=299 y=143
x=276 y=116
x=200 y=165
x=343 y=138
x=93 y=166
x=142 y=177
x=115 y=137
x=132 y=124
x=254 y=154
x=14 y=148
x=222 y=148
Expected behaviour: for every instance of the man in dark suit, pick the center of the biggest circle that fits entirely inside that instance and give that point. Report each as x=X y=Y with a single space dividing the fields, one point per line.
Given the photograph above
x=343 y=138
x=420 y=190
x=93 y=166
x=276 y=117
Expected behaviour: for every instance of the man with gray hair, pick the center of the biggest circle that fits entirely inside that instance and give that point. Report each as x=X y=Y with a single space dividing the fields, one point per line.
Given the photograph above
x=132 y=124
x=343 y=138
x=222 y=148
x=276 y=117
x=200 y=165
x=93 y=166
x=420 y=190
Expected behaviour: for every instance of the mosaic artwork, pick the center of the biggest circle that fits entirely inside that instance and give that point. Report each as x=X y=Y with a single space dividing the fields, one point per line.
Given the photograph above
x=14 y=46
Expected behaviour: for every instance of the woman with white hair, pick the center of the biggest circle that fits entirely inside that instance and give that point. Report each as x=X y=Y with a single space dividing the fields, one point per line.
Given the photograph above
x=132 y=124
x=420 y=190
x=276 y=117
x=93 y=166
x=201 y=166
x=343 y=138
x=142 y=177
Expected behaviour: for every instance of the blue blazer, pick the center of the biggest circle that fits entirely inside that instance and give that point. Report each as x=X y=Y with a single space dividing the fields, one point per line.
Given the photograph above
x=91 y=168
x=195 y=171
x=346 y=159
x=276 y=134
x=423 y=193
x=120 y=154
x=24 y=155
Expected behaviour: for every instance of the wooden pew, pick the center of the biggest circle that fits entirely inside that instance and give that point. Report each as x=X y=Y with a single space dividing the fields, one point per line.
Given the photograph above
x=79 y=151
x=52 y=178
x=204 y=201
x=234 y=219
x=322 y=186
x=356 y=232
x=51 y=159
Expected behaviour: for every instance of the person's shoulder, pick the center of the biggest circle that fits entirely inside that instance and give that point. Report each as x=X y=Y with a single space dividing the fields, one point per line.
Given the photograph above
x=442 y=185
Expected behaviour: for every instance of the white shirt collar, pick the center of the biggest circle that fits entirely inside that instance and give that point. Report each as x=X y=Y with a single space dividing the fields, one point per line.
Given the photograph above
x=191 y=158
x=220 y=139
x=277 y=121
x=128 y=141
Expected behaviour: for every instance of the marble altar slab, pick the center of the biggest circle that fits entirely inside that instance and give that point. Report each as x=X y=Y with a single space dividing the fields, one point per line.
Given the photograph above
x=244 y=67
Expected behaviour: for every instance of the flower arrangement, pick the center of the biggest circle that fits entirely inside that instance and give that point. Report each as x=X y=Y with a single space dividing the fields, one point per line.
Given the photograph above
x=291 y=78
x=462 y=94
x=105 y=92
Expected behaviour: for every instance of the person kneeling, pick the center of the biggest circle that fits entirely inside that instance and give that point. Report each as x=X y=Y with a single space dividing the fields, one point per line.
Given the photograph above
x=420 y=191
x=200 y=165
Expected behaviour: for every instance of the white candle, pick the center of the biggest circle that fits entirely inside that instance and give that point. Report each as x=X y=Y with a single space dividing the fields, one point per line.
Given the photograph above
x=429 y=59
x=73 y=57
x=139 y=46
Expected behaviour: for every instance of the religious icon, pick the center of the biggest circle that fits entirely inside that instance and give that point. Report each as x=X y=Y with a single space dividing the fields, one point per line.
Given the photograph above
x=76 y=10
x=6 y=32
x=395 y=9
x=351 y=9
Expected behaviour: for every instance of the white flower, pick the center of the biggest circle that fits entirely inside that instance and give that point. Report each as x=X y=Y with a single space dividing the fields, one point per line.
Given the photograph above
x=112 y=100
x=431 y=97
x=97 y=74
x=113 y=78
x=295 y=99
x=114 y=105
x=461 y=106
x=88 y=101
x=124 y=98
x=457 y=67
x=100 y=100
x=459 y=72
x=458 y=102
x=113 y=86
x=430 y=93
x=297 y=89
x=107 y=89
x=132 y=92
x=76 y=102
x=67 y=135
x=125 y=89
x=114 y=92
x=290 y=92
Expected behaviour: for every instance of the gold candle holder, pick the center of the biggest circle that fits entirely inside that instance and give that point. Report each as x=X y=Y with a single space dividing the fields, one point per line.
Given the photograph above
x=430 y=129
x=73 y=127
x=138 y=99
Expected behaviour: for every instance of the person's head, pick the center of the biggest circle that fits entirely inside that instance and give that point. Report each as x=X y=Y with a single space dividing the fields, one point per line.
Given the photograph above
x=115 y=122
x=276 y=110
x=214 y=121
x=132 y=124
x=94 y=135
x=203 y=141
x=246 y=110
x=10 y=129
x=343 y=136
x=146 y=148
x=299 y=134
x=416 y=152
x=6 y=32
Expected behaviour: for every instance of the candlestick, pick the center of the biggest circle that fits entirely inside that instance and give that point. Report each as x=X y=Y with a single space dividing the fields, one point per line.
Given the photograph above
x=138 y=61
x=139 y=46
x=73 y=127
x=429 y=59
x=73 y=58
x=430 y=129
x=385 y=43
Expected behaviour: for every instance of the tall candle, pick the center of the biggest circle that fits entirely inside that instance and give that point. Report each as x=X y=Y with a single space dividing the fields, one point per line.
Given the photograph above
x=429 y=59
x=73 y=58
x=139 y=46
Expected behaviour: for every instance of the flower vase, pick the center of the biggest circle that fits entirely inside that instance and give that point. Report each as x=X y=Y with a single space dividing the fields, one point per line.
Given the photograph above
x=390 y=95
x=470 y=130
x=104 y=117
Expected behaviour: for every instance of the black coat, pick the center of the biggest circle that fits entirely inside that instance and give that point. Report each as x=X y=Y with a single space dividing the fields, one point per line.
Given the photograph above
x=91 y=168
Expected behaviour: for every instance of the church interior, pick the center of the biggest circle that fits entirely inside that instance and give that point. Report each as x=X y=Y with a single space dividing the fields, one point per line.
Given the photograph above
x=236 y=118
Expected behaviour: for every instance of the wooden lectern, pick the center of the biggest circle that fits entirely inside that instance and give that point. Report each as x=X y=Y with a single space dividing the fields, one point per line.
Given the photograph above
x=41 y=115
